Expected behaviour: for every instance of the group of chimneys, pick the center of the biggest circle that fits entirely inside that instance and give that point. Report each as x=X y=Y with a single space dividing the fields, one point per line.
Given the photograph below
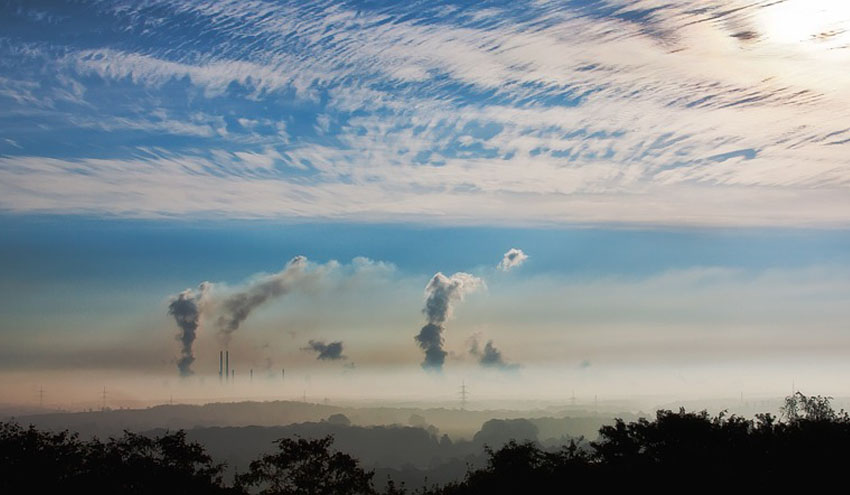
x=225 y=373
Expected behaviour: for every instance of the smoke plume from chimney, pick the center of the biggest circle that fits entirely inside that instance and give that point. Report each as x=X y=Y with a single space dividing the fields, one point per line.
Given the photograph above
x=331 y=351
x=185 y=308
x=442 y=293
x=238 y=306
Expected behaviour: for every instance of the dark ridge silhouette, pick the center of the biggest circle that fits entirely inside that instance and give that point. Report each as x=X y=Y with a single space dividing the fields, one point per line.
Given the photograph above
x=802 y=448
x=498 y=432
x=455 y=422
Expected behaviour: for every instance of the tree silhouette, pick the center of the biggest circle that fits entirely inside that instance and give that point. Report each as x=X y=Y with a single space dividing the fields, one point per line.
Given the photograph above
x=32 y=461
x=674 y=450
x=307 y=467
x=137 y=463
x=813 y=408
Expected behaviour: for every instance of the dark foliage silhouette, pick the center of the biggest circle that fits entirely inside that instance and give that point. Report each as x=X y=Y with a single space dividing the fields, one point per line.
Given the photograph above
x=523 y=467
x=309 y=467
x=33 y=461
x=681 y=450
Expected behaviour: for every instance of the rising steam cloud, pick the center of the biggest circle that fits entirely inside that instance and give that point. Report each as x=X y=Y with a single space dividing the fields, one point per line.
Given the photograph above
x=331 y=351
x=441 y=294
x=490 y=356
x=230 y=308
x=512 y=259
x=186 y=310
x=238 y=306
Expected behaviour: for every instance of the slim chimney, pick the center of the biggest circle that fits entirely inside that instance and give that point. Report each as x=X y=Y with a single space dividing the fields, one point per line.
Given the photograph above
x=227 y=364
x=220 y=365
x=252 y=375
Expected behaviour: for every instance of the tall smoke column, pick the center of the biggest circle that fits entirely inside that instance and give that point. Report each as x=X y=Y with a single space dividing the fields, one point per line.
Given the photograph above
x=237 y=307
x=185 y=308
x=441 y=294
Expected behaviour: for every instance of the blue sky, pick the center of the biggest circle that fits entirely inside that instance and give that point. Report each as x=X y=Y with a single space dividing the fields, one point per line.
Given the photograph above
x=691 y=113
x=678 y=172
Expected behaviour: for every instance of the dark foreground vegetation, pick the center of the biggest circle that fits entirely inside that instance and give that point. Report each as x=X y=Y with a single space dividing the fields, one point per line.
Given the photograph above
x=683 y=451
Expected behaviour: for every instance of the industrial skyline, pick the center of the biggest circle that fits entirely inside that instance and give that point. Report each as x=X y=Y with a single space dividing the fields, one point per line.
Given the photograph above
x=378 y=200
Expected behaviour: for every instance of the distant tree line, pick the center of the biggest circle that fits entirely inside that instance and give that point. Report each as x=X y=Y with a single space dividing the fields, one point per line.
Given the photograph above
x=676 y=451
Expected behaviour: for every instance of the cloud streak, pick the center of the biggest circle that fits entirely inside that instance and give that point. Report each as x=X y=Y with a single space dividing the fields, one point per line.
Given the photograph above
x=696 y=113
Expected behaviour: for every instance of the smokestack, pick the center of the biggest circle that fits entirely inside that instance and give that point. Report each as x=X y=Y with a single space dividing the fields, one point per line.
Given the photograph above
x=251 y=372
x=282 y=373
x=227 y=364
x=220 y=365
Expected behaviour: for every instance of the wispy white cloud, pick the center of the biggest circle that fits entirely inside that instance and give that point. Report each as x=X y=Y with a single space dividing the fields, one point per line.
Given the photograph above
x=694 y=113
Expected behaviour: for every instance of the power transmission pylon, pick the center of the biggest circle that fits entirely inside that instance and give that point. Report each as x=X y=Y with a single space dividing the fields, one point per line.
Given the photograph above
x=463 y=395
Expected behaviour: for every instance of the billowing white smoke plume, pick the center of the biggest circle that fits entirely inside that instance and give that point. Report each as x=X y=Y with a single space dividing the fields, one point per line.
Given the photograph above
x=236 y=307
x=489 y=356
x=441 y=294
x=186 y=310
x=512 y=259
x=230 y=308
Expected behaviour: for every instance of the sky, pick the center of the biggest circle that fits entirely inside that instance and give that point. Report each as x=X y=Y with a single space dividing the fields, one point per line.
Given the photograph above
x=621 y=197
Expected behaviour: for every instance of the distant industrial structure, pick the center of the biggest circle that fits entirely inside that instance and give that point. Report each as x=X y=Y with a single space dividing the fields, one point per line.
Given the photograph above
x=228 y=374
x=225 y=373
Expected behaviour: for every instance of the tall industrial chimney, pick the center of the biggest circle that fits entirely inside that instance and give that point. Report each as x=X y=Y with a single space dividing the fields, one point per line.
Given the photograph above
x=220 y=365
x=227 y=364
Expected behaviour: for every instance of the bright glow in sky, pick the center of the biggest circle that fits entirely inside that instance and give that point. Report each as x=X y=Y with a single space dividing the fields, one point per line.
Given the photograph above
x=823 y=23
